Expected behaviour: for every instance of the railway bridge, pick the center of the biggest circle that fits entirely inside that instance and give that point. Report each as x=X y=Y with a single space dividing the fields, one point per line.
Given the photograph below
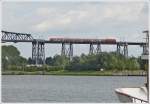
x=38 y=48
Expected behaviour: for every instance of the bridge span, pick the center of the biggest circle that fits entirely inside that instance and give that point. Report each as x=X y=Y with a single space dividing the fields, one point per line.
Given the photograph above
x=38 y=48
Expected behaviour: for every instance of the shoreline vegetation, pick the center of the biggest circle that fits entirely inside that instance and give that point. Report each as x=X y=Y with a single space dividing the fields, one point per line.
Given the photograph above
x=77 y=73
x=100 y=64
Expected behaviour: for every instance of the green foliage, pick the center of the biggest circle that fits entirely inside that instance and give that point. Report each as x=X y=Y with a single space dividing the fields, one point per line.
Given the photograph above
x=60 y=60
x=29 y=60
x=55 y=68
x=11 y=56
x=10 y=51
x=142 y=63
x=12 y=60
x=32 y=69
x=107 y=61
x=14 y=68
x=35 y=68
x=49 y=61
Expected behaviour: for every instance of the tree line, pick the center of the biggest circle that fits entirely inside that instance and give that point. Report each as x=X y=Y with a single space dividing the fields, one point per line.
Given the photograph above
x=105 y=60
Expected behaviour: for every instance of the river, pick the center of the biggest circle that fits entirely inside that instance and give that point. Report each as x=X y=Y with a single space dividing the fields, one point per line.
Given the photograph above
x=78 y=89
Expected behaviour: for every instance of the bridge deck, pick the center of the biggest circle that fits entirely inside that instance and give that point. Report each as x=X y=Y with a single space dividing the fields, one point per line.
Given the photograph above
x=23 y=37
x=75 y=42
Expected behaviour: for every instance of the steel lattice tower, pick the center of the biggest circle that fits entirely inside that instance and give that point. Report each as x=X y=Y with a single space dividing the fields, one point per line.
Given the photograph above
x=38 y=52
x=94 y=50
x=67 y=51
x=123 y=51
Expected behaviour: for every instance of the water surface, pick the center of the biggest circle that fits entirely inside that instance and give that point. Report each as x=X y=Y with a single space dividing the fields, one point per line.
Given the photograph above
x=48 y=88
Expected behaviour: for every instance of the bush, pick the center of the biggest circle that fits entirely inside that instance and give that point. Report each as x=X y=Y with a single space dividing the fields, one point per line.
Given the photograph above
x=33 y=69
x=54 y=68
x=14 y=68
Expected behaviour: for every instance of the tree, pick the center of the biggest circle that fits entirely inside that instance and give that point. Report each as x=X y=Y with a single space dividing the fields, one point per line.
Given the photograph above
x=49 y=61
x=11 y=56
x=60 y=60
x=107 y=61
x=29 y=60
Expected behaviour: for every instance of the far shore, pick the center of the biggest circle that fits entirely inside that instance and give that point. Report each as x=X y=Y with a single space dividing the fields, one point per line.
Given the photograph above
x=78 y=73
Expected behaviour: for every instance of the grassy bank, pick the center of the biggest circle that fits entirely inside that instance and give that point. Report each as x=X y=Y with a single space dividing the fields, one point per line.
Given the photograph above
x=77 y=73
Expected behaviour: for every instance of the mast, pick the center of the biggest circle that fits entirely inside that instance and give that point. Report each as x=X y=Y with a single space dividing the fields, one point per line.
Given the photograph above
x=146 y=53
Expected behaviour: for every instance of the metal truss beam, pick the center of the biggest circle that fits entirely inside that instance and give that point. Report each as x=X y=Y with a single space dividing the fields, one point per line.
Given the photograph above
x=14 y=37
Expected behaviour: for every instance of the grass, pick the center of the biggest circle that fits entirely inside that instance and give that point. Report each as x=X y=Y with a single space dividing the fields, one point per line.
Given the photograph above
x=76 y=73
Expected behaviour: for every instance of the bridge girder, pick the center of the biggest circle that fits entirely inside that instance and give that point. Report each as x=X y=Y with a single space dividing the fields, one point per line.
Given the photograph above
x=14 y=37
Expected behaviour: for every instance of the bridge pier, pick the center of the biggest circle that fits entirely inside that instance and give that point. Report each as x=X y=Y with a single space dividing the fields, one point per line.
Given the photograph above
x=67 y=51
x=70 y=51
x=92 y=50
x=145 y=49
x=123 y=51
x=99 y=48
x=38 y=52
x=119 y=48
x=34 y=55
x=63 y=49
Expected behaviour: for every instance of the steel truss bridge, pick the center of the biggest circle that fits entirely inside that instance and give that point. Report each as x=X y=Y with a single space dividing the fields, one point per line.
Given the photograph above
x=38 y=48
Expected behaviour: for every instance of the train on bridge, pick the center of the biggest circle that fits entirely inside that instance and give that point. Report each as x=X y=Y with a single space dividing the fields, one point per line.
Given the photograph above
x=79 y=40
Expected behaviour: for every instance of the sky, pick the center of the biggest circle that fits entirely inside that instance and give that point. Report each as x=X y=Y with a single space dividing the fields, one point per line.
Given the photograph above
x=123 y=21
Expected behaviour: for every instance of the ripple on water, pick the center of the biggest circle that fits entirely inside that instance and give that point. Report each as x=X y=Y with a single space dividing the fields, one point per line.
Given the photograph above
x=38 y=88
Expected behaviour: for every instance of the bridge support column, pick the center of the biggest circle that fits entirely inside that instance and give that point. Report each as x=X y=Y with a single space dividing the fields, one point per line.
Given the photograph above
x=98 y=49
x=38 y=52
x=125 y=51
x=122 y=48
x=67 y=51
x=34 y=46
x=63 y=49
x=145 y=49
x=70 y=51
x=118 y=48
x=91 y=51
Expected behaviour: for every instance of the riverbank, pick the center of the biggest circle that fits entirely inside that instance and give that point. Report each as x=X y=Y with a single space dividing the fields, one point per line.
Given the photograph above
x=78 y=73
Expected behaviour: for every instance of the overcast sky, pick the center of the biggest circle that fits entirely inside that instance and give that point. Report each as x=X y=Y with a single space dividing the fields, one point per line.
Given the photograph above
x=124 y=21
